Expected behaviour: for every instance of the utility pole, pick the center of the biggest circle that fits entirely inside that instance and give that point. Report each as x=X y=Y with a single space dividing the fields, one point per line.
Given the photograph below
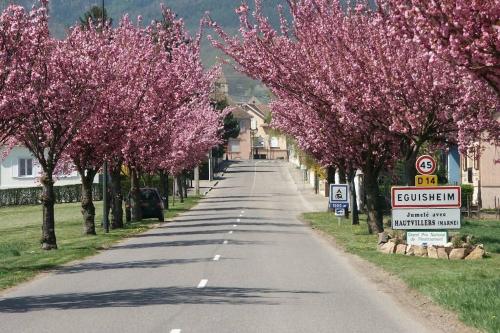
x=210 y=166
x=105 y=220
x=197 y=180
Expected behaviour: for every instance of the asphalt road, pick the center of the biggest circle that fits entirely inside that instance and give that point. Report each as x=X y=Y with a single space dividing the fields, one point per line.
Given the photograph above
x=240 y=261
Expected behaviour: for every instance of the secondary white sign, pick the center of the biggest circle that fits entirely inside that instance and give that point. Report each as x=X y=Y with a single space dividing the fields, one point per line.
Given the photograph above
x=426 y=197
x=426 y=237
x=339 y=193
x=426 y=219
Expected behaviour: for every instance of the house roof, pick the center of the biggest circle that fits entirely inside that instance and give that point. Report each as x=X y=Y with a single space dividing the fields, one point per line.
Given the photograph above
x=239 y=113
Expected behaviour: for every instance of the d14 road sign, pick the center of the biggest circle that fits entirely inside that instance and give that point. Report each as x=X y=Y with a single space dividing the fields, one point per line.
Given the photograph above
x=426 y=180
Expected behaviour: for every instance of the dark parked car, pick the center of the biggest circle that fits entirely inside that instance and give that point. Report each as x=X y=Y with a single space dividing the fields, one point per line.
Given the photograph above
x=151 y=204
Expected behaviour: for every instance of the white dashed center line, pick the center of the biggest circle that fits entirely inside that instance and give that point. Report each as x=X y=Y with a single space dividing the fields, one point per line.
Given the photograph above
x=217 y=257
x=175 y=330
x=238 y=220
x=235 y=225
x=242 y=212
x=225 y=242
x=202 y=283
x=230 y=232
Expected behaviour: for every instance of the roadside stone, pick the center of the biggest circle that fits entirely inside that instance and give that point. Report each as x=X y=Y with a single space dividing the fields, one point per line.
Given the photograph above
x=383 y=238
x=442 y=253
x=401 y=249
x=477 y=253
x=415 y=250
x=432 y=252
x=387 y=248
x=420 y=251
x=457 y=253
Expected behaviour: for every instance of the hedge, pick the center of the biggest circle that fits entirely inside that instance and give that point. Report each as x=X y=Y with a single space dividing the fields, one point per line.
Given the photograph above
x=32 y=195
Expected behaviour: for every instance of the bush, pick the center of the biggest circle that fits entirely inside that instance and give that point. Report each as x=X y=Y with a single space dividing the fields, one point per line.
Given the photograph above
x=32 y=195
x=467 y=192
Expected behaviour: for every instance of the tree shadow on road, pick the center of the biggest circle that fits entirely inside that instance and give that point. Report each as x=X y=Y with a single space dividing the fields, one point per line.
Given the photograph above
x=263 y=224
x=198 y=242
x=212 y=232
x=149 y=296
x=155 y=263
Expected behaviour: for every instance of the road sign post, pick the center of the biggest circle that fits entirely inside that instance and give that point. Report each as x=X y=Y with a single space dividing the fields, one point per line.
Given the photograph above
x=426 y=209
x=339 y=196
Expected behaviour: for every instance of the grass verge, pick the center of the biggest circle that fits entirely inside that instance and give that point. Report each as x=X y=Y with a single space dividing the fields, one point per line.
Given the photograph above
x=20 y=228
x=470 y=288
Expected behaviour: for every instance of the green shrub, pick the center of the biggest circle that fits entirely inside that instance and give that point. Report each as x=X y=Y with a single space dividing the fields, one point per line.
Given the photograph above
x=32 y=195
x=467 y=192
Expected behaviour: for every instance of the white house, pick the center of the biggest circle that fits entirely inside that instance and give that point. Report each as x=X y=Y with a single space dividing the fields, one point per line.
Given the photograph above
x=19 y=169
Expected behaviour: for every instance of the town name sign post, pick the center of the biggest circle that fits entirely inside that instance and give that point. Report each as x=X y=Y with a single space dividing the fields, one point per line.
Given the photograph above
x=426 y=211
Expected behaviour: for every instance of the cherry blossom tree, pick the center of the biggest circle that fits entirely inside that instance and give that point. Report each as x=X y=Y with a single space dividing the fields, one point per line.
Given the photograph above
x=169 y=116
x=22 y=35
x=349 y=91
x=462 y=32
x=104 y=125
x=56 y=102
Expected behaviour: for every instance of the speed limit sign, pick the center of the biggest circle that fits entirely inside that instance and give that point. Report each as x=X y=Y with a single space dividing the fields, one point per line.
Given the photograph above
x=426 y=165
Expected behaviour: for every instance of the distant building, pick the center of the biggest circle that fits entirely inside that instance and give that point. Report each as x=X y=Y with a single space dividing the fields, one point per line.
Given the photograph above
x=483 y=172
x=257 y=139
x=19 y=169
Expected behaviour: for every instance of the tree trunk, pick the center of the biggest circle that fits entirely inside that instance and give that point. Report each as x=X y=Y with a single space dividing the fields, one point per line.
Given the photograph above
x=410 y=170
x=330 y=179
x=354 y=199
x=116 y=198
x=88 y=208
x=342 y=175
x=180 y=187
x=164 y=188
x=374 y=201
x=185 y=183
x=48 y=224
x=136 y=196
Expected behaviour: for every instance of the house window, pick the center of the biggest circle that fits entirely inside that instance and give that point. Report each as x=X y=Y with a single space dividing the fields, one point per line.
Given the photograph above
x=464 y=162
x=25 y=167
x=242 y=126
x=469 y=175
x=274 y=142
x=234 y=146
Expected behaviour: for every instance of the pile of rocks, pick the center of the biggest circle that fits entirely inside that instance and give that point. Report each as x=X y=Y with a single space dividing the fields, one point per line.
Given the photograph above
x=449 y=251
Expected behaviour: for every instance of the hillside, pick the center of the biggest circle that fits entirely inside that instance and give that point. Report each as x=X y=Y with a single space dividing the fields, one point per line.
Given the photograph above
x=64 y=13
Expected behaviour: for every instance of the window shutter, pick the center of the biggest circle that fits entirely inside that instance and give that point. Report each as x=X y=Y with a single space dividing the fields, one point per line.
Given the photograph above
x=15 y=168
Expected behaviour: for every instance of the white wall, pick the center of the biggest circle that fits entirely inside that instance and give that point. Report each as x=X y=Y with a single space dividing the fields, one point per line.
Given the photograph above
x=9 y=172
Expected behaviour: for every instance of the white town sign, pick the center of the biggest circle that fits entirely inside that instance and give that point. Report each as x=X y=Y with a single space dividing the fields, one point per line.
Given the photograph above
x=426 y=219
x=426 y=197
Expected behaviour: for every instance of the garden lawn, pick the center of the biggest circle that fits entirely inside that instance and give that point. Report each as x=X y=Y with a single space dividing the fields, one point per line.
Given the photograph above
x=20 y=229
x=470 y=288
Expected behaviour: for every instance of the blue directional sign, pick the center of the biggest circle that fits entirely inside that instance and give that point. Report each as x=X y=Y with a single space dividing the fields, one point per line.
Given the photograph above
x=339 y=196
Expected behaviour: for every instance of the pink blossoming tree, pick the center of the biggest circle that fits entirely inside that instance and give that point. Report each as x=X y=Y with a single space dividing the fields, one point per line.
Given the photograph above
x=343 y=80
